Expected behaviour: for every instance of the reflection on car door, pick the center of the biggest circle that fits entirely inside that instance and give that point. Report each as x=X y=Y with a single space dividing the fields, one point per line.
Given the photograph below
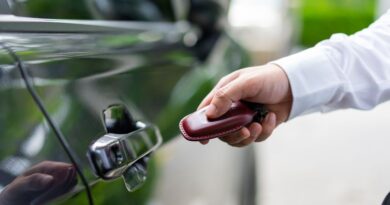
x=80 y=76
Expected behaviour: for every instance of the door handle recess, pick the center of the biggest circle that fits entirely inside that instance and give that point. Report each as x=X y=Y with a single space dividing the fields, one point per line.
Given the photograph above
x=115 y=155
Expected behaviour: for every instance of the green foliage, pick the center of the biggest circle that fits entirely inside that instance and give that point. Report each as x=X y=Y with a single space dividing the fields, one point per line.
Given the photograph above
x=322 y=18
x=184 y=99
x=61 y=9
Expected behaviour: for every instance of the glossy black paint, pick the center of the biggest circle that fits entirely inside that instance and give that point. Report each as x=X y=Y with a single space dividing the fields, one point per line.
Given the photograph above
x=83 y=74
x=79 y=69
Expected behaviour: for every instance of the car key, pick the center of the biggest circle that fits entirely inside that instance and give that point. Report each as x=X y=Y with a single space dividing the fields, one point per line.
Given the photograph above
x=197 y=126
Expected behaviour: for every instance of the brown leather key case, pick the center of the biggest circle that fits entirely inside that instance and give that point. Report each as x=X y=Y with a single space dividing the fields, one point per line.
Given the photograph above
x=197 y=127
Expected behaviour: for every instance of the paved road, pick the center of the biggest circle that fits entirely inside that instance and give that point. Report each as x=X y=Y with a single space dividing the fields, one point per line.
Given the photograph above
x=339 y=158
x=192 y=174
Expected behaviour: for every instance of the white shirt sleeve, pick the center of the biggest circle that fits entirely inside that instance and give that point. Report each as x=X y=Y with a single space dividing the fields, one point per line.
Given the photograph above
x=342 y=72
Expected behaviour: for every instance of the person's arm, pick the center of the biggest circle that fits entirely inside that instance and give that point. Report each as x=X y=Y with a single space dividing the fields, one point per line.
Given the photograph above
x=342 y=72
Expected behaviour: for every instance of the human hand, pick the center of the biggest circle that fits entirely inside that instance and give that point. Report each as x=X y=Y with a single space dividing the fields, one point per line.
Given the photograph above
x=41 y=183
x=267 y=85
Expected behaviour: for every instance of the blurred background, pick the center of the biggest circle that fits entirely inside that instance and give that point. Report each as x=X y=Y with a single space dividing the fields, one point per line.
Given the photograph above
x=335 y=158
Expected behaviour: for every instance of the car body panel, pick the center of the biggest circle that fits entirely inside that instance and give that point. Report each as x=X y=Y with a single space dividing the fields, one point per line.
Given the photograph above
x=79 y=68
x=84 y=73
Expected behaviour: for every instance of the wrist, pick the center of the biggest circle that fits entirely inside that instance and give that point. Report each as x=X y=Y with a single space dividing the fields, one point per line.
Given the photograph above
x=312 y=78
x=281 y=84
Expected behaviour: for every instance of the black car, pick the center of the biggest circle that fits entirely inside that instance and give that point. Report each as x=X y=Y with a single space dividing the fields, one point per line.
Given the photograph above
x=90 y=90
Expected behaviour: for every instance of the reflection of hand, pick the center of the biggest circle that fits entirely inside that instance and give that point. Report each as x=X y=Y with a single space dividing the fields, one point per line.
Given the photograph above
x=267 y=85
x=41 y=183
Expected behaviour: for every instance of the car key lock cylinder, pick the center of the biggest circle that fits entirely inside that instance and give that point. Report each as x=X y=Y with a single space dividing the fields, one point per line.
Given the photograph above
x=124 y=154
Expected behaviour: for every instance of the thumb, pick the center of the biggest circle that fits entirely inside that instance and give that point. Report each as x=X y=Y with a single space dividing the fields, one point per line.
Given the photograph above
x=36 y=182
x=25 y=189
x=223 y=99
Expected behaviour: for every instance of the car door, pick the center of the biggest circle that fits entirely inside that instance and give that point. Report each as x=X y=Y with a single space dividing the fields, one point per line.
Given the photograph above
x=101 y=95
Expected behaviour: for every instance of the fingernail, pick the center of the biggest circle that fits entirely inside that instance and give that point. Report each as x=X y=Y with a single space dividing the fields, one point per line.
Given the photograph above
x=256 y=134
x=266 y=119
x=71 y=178
x=71 y=171
x=211 y=110
x=45 y=181
x=272 y=119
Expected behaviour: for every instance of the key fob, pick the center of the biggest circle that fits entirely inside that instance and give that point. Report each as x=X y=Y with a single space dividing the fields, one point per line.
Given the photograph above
x=197 y=127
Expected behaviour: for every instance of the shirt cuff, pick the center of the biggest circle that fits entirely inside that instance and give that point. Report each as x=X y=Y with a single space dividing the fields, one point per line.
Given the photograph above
x=313 y=78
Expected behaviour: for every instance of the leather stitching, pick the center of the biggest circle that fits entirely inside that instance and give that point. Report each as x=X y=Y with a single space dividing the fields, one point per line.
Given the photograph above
x=207 y=136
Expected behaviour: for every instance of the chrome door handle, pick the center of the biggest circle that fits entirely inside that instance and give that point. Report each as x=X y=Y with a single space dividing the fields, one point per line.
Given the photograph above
x=115 y=155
